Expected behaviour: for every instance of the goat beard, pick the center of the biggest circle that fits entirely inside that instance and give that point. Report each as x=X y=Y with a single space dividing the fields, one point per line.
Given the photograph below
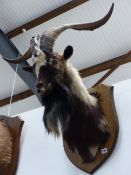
x=58 y=107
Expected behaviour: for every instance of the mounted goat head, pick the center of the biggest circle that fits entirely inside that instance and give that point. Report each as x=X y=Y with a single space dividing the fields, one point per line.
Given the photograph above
x=64 y=96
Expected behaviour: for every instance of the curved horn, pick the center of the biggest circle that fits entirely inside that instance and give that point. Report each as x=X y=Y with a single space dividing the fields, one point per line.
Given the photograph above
x=25 y=57
x=48 y=37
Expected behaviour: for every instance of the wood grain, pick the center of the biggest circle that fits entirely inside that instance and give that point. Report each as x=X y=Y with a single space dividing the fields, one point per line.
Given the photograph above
x=50 y=15
x=103 y=66
x=14 y=125
x=16 y=97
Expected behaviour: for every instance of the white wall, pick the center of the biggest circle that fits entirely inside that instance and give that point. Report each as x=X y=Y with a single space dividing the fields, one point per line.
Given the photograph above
x=41 y=154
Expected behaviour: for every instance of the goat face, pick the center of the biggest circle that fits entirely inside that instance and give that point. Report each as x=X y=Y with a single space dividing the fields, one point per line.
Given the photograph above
x=49 y=68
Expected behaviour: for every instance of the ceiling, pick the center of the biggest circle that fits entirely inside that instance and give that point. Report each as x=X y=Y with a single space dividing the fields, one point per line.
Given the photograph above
x=90 y=48
x=16 y=12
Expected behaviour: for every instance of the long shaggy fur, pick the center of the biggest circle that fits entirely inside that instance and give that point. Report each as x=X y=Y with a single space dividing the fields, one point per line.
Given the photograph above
x=82 y=122
x=57 y=101
x=69 y=107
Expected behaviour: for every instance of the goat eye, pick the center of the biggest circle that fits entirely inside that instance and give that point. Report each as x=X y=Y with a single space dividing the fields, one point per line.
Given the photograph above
x=54 y=62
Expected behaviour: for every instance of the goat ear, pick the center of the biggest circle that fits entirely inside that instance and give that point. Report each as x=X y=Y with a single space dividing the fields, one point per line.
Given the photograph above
x=68 y=52
x=28 y=69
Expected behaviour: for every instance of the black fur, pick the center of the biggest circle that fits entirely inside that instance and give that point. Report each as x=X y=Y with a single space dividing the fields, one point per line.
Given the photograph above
x=57 y=101
x=84 y=131
x=80 y=122
x=68 y=52
x=83 y=126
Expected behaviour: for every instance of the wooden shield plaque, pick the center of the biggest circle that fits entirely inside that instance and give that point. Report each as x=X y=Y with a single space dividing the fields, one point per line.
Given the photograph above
x=107 y=104
x=10 y=131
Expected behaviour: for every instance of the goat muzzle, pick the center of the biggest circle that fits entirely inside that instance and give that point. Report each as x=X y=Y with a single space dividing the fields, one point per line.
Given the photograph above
x=43 y=87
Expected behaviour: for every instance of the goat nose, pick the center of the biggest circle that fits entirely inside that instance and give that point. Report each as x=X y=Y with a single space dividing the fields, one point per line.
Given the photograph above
x=39 y=85
x=54 y=62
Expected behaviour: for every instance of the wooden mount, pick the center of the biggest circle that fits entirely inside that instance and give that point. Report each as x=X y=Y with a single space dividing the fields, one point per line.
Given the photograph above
x=14 y=125
x=108 y=107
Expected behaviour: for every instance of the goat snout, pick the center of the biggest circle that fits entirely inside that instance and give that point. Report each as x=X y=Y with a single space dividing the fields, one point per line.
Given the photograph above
x=42 y=87
x=39 y=86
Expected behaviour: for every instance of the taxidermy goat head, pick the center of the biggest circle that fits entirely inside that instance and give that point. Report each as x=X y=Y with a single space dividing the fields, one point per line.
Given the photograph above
x=69 y=107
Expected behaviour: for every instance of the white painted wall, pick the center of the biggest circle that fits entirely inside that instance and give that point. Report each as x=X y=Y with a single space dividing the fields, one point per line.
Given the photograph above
x=41 y=154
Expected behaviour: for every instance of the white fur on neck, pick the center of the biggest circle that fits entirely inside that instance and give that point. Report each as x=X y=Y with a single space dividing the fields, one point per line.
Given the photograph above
x=77 y=86
x=40 y=62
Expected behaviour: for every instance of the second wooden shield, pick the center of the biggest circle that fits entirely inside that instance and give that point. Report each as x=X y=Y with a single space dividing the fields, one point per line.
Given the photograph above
x=10 y=131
